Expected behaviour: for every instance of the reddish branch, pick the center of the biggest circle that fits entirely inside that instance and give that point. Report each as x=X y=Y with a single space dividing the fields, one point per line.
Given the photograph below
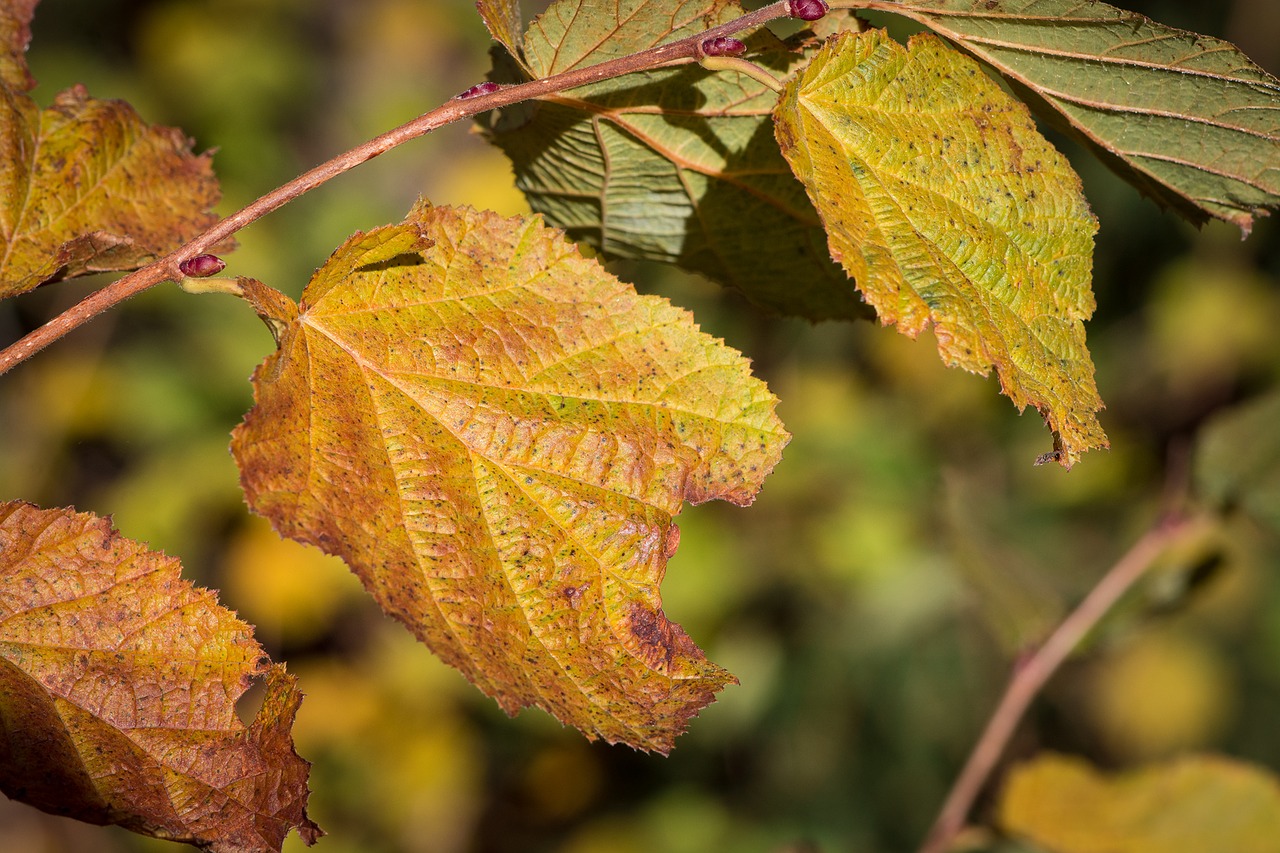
x=1032 y=675
x=476 y=102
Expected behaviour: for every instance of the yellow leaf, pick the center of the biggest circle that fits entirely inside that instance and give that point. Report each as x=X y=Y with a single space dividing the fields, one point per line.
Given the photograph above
x=494 y=434
x=948 y=208
x=1192 y=805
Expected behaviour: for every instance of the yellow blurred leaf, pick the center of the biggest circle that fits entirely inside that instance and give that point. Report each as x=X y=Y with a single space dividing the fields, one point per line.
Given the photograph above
x=1162 y=693
x=1195 y=804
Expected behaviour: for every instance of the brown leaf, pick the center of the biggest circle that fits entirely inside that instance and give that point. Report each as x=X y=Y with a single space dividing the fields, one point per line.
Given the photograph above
x=15 y=34
x=495 y=433
x=86 y=186
x=118 y=686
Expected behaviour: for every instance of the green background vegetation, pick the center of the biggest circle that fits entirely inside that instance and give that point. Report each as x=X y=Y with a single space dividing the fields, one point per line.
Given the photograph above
x=871 y=602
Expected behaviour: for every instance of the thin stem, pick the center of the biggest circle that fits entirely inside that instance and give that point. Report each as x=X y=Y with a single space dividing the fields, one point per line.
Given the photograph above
x=166 y=269
x=1032 y=675
x=742 y=66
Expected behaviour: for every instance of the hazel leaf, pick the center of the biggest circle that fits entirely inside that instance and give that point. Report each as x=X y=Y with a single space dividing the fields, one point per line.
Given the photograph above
x=1186 y=118
x=502 y=18
x=15 y=35
x=675 y=165
x=86 y=186
x=1187 y=805
x=948 y=209
x=495 y=434
x=120 y=682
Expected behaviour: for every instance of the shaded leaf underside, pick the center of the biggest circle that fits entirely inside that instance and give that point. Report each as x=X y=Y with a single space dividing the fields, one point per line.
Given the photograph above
x=85 y=185
x=949 y=209
x=495 y=435
x=1187 y=118
x=676 y=165
x=119 y=688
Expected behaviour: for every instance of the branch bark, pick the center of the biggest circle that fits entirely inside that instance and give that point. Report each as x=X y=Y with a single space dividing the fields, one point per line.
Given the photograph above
x=1029 y=678
x=456 y=109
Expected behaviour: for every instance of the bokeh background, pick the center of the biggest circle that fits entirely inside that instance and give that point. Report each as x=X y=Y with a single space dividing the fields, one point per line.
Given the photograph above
x=871 y=601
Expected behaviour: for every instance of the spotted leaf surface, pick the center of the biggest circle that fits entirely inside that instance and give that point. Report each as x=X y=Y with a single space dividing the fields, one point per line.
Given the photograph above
x=495 y=435
x=676 y=165
x=948 y=209
x=120 y=682
x=1187 y=118
x=86 y=185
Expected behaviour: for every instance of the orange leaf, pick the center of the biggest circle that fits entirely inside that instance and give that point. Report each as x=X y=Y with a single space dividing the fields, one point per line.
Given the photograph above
x=495 y=433
x=86 y=185
x=118 y=685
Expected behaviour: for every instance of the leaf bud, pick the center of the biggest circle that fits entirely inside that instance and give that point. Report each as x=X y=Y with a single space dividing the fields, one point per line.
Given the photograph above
x=202 y=266
x=488 y=87
x=723 y=46
x=807 y=10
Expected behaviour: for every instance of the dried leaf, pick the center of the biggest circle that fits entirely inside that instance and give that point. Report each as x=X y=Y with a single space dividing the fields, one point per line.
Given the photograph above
x=948 y=208
x=1190 y=805
x=85 y=185
x=119 y=688
x=677 y=165
x=494 y=434
x=1188 y=119
x=15 y=34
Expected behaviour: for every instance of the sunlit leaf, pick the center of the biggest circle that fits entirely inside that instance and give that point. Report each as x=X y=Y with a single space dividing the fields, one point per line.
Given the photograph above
x=677 y=165
x=947 y=208
x=1237 y=461
x=1187 y=118
x=495 y=434
x=85 y=185
x=502 y=17
x=1190 y=805
x=120 y=682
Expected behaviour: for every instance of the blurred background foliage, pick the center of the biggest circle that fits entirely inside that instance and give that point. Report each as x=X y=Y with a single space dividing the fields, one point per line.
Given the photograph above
x=873 y=599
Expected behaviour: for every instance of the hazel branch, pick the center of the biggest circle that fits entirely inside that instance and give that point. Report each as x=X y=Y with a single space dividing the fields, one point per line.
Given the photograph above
x=478 y=99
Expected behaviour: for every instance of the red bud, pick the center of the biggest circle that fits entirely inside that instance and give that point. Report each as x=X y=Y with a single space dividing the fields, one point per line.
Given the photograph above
x=486 y=88
x=807 y=10
x=723 y=46
x=202 y=266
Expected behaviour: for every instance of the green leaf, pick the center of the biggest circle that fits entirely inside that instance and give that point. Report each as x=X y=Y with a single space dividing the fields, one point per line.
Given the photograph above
x=85 y=185
x=677 y=165
x=1188 y=119
x=949 y=210
x=118 y=690
x=1190 y=805
x=494 y=433
x=1237 y=461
